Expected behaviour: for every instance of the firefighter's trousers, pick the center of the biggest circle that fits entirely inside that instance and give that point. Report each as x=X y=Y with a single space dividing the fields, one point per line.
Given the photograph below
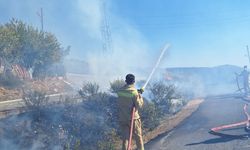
x=137 y=134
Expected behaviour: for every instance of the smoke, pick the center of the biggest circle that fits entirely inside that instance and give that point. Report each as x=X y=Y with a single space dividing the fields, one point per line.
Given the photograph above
x=193 y=85
x=90 y=16
x=204 y=81
x=130 y=49
x=78 y=24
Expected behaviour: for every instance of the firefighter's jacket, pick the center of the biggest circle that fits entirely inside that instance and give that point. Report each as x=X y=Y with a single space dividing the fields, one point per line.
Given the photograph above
x=128 y=97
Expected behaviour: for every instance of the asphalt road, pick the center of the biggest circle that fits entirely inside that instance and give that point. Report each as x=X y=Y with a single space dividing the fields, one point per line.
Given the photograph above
x=193 y=133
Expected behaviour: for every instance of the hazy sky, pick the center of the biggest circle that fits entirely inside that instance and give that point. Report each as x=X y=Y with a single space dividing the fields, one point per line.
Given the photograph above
x=201 y=32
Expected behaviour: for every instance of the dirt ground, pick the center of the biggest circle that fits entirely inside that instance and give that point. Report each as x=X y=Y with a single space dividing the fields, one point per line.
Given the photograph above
x=49 y=86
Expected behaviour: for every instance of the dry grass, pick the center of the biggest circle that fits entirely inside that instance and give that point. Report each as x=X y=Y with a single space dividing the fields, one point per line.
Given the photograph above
x=49 y=86
x=6 y=94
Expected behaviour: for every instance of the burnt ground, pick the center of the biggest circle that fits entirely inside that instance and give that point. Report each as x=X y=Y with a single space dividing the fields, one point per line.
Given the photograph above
x=193 y=133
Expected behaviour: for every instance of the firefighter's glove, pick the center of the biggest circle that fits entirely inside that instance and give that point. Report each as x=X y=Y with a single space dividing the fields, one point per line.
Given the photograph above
x=141 y=90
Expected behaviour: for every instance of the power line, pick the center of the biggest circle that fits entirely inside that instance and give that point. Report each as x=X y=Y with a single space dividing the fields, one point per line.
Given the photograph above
x=198 y=20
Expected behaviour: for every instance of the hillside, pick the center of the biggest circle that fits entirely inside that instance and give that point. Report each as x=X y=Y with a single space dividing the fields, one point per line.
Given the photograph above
x=205 y=80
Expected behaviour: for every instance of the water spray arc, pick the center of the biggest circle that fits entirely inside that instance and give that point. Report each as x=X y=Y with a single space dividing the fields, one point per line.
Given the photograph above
x=141 y=90
x=156 y=65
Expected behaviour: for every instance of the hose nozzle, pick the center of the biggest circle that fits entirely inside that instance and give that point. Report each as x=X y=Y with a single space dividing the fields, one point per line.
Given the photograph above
x=141 y=90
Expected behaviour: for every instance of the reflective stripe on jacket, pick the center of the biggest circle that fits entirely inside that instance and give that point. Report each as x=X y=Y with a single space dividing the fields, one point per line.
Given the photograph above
x=128 y=97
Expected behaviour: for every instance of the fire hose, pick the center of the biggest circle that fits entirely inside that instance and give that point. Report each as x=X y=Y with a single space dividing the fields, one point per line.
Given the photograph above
x=246 y=122
x=140 y=91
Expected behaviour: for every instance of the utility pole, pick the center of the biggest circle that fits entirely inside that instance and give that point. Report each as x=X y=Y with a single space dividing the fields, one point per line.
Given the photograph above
x=40 y=15
x=105 y=31
x=248 y=55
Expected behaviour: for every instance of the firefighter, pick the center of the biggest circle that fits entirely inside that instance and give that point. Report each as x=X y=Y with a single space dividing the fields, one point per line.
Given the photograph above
x=129 y=97
x=245 y=76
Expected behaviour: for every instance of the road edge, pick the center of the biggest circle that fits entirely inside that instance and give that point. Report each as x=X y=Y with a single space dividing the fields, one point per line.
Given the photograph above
x=169 y=123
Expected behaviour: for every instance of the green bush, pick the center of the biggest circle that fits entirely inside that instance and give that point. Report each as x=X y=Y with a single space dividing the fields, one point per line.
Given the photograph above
x=88 y=90
x=116 y=85
x=9 y=80
x=109 y=141
x=150 y=115
x=161 y=94
x=35 y=102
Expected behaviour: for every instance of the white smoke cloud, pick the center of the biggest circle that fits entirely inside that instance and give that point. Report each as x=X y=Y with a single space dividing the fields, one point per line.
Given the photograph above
x=90 y=16
x=130 y=49
x=78 y=24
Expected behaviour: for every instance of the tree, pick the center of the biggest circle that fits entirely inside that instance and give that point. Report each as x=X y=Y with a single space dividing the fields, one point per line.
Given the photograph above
x=31 y=48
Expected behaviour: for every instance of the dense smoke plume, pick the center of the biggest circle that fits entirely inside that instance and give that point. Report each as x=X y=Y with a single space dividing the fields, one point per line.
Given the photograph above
x=129 y=53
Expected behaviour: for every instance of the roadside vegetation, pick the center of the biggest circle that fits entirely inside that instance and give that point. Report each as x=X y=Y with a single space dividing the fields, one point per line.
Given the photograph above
x=87 y=123
x=26 y=50
x=29 y=59
x=90 y=123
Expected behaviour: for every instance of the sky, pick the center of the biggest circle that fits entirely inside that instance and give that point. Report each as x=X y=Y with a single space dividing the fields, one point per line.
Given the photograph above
x=202 y=33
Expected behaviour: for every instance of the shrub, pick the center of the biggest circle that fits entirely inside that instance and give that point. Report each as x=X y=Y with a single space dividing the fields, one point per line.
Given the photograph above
x=109 y=140
x=8 y=79
x=88 y=90
x=90 y=124
x=116 y=85
x=150 y=115
x=161 y=95
x=104 y=105
x=35 y=102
